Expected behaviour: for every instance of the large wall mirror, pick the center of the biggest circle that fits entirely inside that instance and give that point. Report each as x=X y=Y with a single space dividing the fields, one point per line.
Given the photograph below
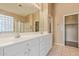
x=27 y=24
x=6 y=23
x=19 y=24
x=23 y=18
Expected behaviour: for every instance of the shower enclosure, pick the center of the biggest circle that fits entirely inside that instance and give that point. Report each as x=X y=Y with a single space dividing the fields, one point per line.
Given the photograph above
x=71 y=30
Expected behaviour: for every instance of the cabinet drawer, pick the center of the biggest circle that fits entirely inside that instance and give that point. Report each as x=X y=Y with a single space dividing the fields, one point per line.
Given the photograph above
x=32 y=42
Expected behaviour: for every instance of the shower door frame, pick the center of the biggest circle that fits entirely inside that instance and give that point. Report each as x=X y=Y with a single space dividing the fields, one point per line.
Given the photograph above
x=64 y=38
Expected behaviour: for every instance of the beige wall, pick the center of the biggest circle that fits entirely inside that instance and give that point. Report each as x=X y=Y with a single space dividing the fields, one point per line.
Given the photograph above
x=44 y=18
x=71 y=19
x=60 y=11
x=51 y=16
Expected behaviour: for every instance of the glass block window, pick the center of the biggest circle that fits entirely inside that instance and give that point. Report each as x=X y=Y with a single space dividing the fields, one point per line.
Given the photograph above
x=6 y=23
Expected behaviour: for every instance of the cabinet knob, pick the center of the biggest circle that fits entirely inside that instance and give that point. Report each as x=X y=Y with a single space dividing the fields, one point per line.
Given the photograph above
x=25 y=52
x=29 y=50
x=27 y=44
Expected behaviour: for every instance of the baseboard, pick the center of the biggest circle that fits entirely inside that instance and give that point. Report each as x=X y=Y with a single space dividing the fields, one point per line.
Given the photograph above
x=60 y=44
x=73 y=44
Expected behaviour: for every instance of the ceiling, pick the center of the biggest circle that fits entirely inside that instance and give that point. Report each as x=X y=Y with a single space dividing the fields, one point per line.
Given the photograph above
x=22 y=9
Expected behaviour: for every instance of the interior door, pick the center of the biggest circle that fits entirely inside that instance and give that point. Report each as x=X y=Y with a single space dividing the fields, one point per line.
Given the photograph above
x=36 y=26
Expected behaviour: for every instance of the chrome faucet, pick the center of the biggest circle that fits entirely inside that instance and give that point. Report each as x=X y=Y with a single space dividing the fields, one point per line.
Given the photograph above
x=17 y=35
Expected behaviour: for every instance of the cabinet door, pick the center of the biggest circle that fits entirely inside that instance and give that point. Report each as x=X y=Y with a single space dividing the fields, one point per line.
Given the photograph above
x=34 y=51
x=1 y=51
x=45 y=44
x=44 y=52
x=26 y=53
x=34 y=47
x=14 y=49
x=42 y=43
x=22 y=53
x=50 y=41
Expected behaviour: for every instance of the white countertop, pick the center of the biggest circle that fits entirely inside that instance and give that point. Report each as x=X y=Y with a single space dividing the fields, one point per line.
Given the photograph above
x=12 y=40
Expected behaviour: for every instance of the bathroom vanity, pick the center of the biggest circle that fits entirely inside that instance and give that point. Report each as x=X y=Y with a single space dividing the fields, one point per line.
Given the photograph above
x=26 y=45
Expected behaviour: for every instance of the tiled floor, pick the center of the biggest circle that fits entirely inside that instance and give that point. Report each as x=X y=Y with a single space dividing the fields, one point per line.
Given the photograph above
x=64 y=51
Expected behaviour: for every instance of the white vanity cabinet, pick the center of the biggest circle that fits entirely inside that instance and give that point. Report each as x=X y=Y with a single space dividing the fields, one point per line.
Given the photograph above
x=1 y=51
x=38 y=46
x=26 y=48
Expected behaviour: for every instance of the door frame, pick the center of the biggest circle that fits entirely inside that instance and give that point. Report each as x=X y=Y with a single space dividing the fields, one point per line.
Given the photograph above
x=64 y=34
